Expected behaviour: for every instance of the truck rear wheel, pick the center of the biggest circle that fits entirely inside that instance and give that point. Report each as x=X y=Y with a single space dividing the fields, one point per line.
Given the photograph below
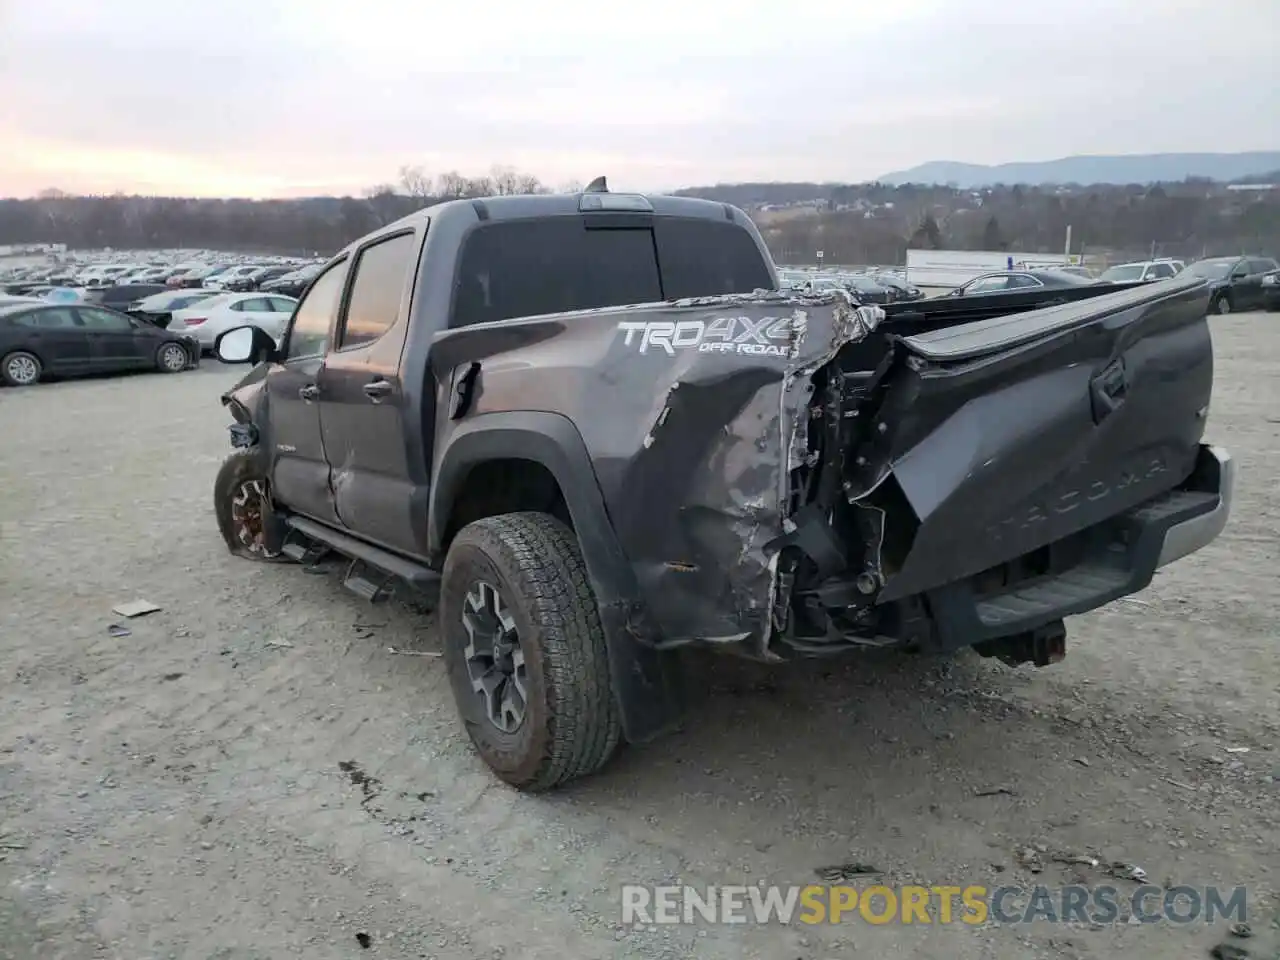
x=526 y=652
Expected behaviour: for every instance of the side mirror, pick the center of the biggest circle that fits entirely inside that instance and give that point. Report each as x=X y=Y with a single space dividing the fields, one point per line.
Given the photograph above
x=957 y=292
x=1239 y=274
x=247 y=344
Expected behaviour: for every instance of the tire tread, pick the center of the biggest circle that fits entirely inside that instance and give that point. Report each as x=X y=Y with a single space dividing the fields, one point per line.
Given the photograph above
x=541 y=555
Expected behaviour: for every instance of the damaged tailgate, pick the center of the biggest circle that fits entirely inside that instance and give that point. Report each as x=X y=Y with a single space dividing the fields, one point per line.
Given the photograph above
x=999 y=437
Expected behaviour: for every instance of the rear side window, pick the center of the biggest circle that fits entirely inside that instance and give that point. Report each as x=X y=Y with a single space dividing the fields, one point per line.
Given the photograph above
x=46 y=319
x=524 y=268
x=706 y=258
x=374 y=305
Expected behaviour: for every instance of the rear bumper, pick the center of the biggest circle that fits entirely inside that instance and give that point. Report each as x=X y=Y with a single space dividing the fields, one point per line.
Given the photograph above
x=1119 y=557
x=1188 y=536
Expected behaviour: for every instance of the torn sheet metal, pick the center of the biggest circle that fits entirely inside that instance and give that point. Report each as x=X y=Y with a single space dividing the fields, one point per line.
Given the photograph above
x=710 y=485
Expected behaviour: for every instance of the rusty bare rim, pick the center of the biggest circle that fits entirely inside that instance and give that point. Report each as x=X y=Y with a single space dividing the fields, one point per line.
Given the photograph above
x=495 y=661
x=248 y=505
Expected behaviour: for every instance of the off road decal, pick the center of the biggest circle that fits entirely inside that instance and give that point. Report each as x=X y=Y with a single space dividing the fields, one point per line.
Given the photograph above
x=753 y=336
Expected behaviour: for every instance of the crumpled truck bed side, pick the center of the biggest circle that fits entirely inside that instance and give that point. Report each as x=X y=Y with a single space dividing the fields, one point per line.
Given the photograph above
x=695 y=413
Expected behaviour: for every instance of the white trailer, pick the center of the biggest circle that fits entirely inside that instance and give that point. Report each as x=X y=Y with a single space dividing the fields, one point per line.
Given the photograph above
x=950 y=268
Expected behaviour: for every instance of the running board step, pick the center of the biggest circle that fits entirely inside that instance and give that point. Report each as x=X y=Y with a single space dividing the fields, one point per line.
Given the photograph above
x=364 y=586
x=414 y=573
x=306 y=552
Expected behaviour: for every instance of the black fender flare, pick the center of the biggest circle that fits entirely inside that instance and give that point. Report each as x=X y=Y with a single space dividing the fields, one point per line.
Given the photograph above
x=645 y=679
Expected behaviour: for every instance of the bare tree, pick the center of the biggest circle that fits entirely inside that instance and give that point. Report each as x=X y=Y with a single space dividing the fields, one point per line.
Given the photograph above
x=415 y=181
x=479 y=187
x=570 y=186
x=505 y=180
x=451 y=185
x=528 y=183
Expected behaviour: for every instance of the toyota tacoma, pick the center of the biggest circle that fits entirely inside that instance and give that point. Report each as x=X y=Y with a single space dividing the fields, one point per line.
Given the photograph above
x=593 y=427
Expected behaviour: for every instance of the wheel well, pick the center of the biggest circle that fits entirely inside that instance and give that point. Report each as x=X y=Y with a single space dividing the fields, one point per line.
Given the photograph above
x=31 y=350
x=505 y=486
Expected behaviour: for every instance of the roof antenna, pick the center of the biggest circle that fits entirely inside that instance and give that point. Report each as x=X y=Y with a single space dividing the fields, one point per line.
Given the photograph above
x=598 y=185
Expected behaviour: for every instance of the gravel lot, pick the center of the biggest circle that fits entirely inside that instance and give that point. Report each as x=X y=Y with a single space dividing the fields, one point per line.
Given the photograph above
x=252 y=774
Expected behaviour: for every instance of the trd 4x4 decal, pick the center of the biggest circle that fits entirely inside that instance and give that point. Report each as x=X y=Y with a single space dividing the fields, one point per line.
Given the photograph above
x=755 y=336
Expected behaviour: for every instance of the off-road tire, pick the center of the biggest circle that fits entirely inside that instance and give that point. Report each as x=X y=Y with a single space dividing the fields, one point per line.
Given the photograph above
x=166 y=348
x=241 y=466
x=572 y=725
x=1222 y=305
x=15 y=355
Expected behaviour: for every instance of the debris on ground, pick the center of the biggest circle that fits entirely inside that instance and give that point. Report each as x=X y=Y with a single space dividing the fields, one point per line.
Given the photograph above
x=118 y=631
x=1077 y=859
x=1236 y=749
x=414 y=653
x=1127 y=871
x=996 y=792
x=277 y=642
x=135 y=608
x=1229 y=951
x=846 y=871
x=1241 y=930
x=1029 y=857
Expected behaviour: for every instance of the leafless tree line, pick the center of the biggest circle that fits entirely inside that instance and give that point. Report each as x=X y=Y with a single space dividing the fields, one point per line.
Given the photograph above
x=500 y=181
x=850 y=223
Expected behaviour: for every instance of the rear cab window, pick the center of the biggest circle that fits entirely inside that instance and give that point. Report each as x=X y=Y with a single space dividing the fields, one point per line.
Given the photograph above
x=522 y=268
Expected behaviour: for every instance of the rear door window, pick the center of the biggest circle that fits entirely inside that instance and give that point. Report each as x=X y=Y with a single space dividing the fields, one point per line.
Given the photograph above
x=525 y=268
x=373 y=306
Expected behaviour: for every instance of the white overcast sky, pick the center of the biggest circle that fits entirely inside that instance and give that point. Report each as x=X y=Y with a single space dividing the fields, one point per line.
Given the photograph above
x=284 y=98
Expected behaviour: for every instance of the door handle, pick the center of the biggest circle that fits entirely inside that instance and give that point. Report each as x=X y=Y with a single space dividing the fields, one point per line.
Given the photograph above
x=378 y=389
x=309 y=392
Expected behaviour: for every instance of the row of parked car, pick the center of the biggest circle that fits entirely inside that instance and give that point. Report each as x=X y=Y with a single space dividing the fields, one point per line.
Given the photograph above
x=1236 y=283
x=236 y=276
x=95 y=332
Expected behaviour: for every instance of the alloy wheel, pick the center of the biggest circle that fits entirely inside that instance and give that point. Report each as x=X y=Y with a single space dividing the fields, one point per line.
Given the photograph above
x=173 y=357
x=494 y=658
x=23 y=370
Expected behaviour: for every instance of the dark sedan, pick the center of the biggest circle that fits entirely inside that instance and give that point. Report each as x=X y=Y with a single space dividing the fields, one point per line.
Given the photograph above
x=73 y=339
x=120 y=296
x=901 y=289
x=1005 y=281
x=1235 y=283
x=255 y=280
x=1271 y=290
x=292 y=284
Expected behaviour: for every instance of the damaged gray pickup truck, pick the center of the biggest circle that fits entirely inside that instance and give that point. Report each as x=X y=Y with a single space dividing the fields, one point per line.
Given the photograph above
x=594 y=426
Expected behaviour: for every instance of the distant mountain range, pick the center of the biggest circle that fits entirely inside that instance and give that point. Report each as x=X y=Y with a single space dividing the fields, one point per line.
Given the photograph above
x=1133 y=168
